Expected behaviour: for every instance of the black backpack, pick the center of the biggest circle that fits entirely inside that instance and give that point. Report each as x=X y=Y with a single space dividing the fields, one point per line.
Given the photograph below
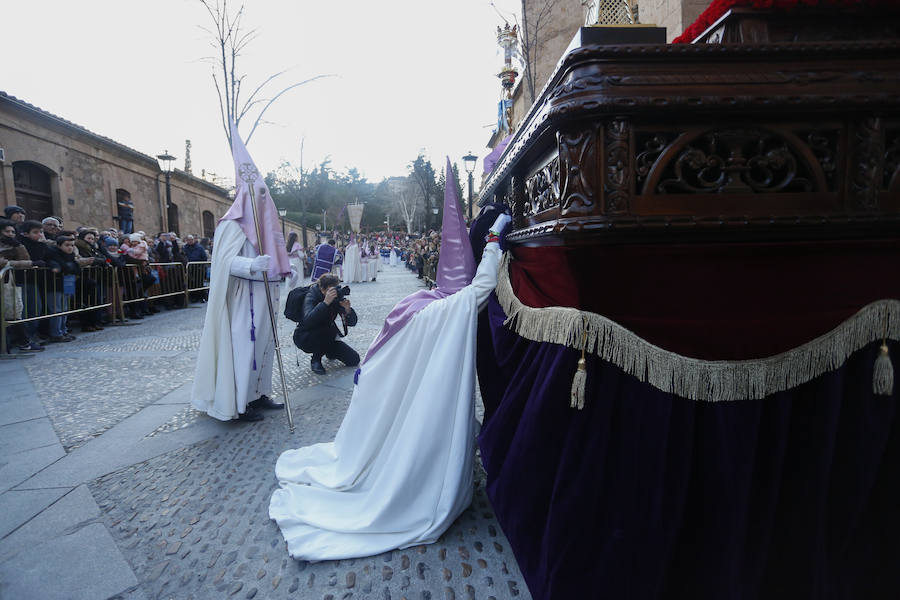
x=293 y=308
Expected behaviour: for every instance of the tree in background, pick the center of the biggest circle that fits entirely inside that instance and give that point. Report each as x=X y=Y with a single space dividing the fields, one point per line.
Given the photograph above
x=229 y=40
x=308 y=193
x=536 y=18
x=423 y=178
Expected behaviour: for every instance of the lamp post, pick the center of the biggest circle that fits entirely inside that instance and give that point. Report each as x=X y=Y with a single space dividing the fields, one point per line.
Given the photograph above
x=282 y=212
x=470 y=160
x=165 y=163
x=324 y=228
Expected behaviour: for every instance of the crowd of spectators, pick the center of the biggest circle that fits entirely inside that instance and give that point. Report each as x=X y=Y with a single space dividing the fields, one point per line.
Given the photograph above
x=418 y=252
x=56 y=270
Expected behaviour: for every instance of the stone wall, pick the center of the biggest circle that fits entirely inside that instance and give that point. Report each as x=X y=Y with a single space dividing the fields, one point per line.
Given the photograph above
x=566 y=16
x=674 y=15
x=86 y=169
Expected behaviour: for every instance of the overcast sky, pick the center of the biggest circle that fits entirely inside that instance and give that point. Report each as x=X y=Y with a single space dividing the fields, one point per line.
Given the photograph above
x=410 y=75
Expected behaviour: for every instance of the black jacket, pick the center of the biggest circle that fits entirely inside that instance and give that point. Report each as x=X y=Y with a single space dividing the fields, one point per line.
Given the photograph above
x=318 y=319
x=65 y=263
x=37 y=251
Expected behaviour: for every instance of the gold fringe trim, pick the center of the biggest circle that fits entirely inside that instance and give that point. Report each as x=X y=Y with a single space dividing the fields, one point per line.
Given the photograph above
x=693 y=378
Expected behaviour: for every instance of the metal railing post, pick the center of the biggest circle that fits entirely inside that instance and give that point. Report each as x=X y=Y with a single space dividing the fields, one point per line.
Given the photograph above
x=187 y=294
x=3 y=348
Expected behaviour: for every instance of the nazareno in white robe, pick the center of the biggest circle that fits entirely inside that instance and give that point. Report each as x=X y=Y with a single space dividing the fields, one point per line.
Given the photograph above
x=225 y=379
x=353 y=271
x=374 y=263
x=400 y=469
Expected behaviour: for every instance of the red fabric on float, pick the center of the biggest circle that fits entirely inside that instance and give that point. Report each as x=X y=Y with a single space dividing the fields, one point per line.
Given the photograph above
x=719 y=7
x=717 y=301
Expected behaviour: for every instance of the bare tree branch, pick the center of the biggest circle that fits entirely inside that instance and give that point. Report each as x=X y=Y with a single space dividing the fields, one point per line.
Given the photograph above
x=229 y=39
x=278 y=95
x=533 y=41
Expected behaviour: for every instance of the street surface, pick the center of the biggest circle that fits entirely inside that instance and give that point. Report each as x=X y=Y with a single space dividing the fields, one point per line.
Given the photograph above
x=112 y=486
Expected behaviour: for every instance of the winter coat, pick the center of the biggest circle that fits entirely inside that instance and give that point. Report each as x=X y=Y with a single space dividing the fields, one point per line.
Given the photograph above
x=318 y=319
x=195 y=253
x=86 y=250
x=62 y=264
x=13 y=251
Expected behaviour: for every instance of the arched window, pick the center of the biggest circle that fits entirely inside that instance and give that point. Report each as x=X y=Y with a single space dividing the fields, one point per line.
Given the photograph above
x=33 y=191
x=209 y=224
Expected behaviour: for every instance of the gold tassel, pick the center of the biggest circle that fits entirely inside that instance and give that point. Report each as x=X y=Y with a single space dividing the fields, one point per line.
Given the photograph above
x=883 y=378
x=580 y=379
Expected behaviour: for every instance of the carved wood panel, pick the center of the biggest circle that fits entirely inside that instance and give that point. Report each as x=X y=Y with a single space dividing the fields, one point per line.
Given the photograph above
x=618 y=166
x=866 y=163
x=736 y=160
x=542 y=189
x=891 y=169
x=577 y=163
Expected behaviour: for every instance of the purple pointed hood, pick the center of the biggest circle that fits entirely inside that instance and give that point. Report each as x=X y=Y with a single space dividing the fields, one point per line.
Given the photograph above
x=456 y=267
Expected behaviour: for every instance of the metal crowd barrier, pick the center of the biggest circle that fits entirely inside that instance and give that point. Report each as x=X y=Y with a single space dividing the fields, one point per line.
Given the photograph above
x=43 y=295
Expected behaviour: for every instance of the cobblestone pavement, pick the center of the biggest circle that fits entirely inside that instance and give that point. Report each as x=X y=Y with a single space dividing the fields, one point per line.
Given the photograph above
x=192 y=522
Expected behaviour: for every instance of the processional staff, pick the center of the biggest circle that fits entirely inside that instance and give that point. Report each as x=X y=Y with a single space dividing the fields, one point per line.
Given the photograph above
x=249 y=174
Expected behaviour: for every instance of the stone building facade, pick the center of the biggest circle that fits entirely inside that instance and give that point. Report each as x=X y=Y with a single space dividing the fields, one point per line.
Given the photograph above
x=557 y=22
x=51 y=166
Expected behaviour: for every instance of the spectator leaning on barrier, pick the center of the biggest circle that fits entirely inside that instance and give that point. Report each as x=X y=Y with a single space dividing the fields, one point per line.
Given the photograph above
x=61 y=261
x=31 y=236
x=90 y=284
x=12 y=252
x=14 y=255
x=193 y=251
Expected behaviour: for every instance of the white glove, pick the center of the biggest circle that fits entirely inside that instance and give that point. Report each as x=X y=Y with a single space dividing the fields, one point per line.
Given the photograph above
x=500 y=223
x=260 y=263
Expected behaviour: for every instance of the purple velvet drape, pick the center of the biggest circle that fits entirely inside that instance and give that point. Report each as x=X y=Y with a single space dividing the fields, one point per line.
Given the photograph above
x=647 y=495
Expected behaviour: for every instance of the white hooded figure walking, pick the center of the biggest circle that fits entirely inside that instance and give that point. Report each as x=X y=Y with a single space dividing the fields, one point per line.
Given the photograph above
x=400 y=469
x=233 y=378
x=353 y=271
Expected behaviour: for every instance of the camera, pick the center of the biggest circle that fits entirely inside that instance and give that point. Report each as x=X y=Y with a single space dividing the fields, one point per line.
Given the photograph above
x=342 y=292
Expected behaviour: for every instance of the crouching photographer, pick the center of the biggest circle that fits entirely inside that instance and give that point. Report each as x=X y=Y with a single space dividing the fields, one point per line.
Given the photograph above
x=317 y=333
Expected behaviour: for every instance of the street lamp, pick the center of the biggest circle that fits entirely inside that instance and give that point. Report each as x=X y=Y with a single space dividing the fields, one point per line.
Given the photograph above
x=282 y=212
x=470 y=160
x=165 y=163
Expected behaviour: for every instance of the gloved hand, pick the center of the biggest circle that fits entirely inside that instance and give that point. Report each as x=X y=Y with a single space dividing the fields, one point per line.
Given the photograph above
x=260 y=263
x=500 y=223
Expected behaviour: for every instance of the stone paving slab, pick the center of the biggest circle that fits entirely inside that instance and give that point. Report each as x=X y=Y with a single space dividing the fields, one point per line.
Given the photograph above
x=87 y=563
x=16 y=411
x=18 y=437
x=20 y=506
x=17 y=468
x=74 y=509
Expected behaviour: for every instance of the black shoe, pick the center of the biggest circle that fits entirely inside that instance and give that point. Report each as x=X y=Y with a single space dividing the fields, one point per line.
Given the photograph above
x=316 y=366
x=250 y=415
x=265 y=403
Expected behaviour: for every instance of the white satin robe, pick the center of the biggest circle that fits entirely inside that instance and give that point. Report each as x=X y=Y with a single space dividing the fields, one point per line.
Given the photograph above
x=400 y=469
x=225 y=380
